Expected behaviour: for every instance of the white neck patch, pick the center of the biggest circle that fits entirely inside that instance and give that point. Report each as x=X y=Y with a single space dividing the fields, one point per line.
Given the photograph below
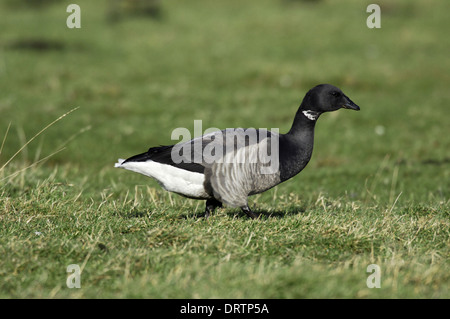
x=311 y=115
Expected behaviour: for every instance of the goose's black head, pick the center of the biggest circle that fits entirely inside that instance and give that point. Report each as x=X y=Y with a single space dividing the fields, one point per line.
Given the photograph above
x=326 y=98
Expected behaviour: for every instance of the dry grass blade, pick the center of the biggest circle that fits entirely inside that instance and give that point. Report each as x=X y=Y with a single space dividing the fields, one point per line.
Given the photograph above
x=4 y=139
x=30 y=166
x=35 y=136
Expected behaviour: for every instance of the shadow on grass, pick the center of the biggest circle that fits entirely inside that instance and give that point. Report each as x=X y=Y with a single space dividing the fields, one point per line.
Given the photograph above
x=263 y=214
x=234 y=213
x=38 y=44
x=133 y=213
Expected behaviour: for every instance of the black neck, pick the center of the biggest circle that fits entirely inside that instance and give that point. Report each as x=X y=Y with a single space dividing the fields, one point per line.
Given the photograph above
x=302 y=124
x=297 y=145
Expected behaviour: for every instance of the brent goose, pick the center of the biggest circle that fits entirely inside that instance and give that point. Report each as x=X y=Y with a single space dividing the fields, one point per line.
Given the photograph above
x=228 y=166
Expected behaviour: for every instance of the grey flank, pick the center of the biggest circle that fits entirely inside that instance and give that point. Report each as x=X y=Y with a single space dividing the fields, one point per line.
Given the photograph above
x=238 y=162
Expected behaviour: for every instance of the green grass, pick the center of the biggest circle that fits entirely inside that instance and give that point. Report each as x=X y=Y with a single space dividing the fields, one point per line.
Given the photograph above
x=365 y=198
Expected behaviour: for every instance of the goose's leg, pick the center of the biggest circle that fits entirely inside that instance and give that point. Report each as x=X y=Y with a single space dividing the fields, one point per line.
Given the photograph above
x=211 y=205
x=249 y=212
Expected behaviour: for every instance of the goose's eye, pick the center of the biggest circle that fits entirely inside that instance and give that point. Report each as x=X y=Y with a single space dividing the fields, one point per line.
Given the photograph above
x=335 y=93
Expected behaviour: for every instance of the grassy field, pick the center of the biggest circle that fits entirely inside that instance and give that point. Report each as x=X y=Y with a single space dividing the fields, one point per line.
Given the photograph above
x=375 y=192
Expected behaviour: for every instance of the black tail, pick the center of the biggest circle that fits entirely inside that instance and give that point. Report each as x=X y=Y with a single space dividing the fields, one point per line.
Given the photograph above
x=163 y=154
x=158 y=154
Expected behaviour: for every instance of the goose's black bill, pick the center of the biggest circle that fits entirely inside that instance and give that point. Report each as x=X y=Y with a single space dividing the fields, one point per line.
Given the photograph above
x=350 y=105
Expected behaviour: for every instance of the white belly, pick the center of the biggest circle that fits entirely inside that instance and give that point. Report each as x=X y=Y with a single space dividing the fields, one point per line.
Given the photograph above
x=171 y=178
